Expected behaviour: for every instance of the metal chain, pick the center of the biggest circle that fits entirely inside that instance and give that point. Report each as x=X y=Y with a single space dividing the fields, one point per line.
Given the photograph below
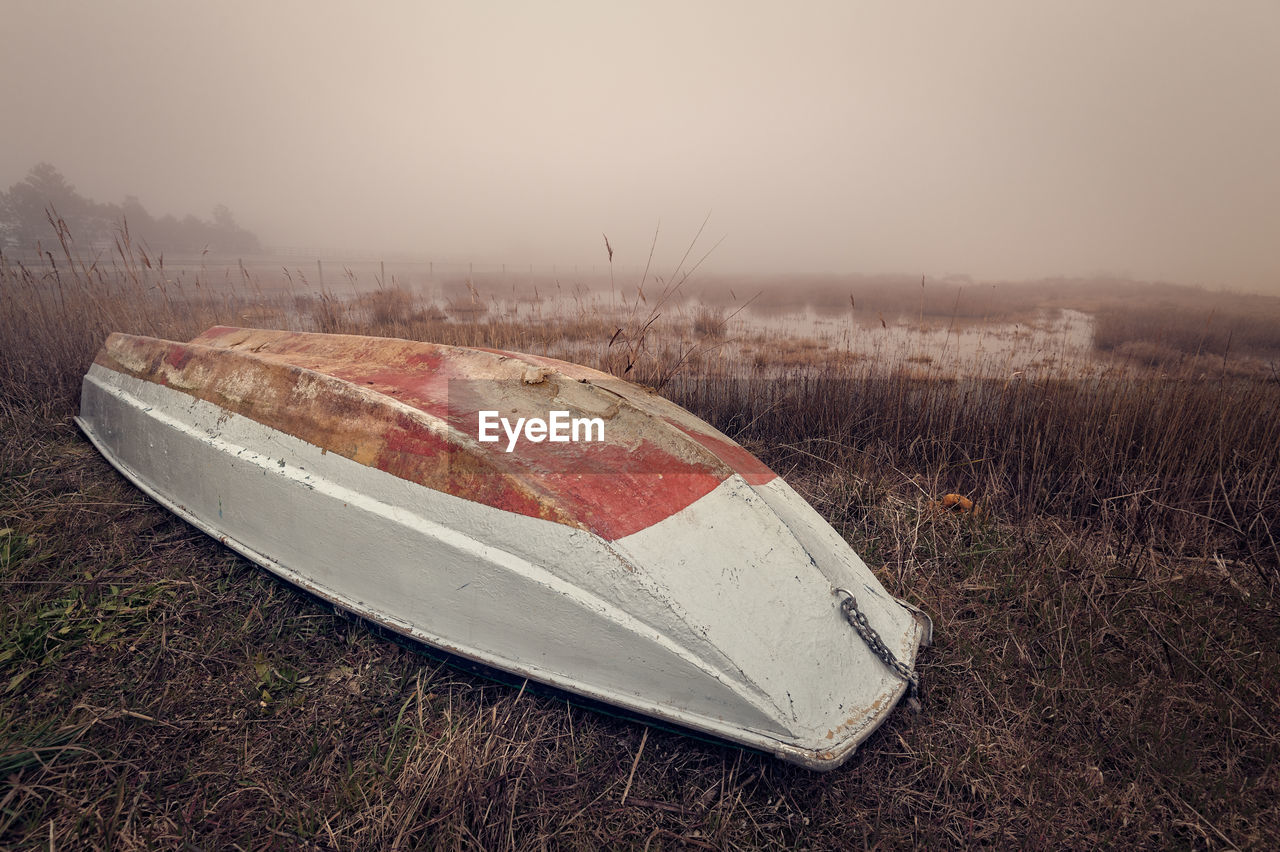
x=855 y=617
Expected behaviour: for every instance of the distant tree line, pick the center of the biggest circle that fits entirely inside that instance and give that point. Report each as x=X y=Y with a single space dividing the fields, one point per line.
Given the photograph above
x=24 y=221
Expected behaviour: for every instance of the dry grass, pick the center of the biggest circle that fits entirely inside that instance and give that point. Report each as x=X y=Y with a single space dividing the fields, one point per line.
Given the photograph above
x=870 y=298
x=1194 y=326
x=709 y=322
x=1176 y=463
x=1105 y=672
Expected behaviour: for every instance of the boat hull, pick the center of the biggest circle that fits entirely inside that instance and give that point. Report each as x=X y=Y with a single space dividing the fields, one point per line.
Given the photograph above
x=720 y=617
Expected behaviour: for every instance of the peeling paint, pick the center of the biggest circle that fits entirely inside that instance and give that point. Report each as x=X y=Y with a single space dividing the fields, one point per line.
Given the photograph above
x=340 y=393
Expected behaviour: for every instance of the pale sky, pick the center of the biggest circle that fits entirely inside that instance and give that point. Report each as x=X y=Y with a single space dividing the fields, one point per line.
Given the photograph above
x=998 y=138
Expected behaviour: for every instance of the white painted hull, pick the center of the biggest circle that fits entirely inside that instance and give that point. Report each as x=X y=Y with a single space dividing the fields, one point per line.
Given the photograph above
x=722 y=617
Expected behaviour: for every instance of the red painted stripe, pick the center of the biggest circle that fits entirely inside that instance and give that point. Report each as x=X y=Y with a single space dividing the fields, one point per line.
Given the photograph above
x=614 y=489
x=754 y=471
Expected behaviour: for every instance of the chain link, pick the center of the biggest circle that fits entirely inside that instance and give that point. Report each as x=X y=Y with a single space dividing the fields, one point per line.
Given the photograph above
x=855 y=617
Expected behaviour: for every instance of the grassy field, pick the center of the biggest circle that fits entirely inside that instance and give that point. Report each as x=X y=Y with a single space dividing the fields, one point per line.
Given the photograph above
x=1106 y=668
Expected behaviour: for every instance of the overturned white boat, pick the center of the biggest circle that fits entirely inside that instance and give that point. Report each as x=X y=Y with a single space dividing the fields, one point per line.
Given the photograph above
x=605 y=542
